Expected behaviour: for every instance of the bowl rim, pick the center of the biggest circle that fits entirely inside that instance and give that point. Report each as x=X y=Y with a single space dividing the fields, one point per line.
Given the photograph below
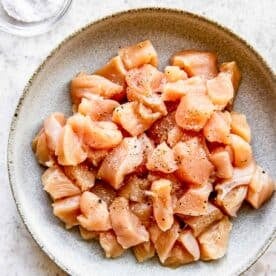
x=25 y=92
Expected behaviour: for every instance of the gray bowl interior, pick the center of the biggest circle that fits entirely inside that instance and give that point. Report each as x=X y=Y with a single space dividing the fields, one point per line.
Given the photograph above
x=169 y=31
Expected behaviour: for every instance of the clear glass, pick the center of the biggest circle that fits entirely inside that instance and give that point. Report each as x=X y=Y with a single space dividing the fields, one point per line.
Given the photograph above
x=13 y=26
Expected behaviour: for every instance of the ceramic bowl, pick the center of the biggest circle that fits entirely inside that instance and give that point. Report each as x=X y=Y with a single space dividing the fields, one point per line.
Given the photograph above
x=90 y=48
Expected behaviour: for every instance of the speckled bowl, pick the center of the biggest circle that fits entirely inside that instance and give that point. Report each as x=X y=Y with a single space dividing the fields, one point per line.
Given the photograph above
x=90 y=48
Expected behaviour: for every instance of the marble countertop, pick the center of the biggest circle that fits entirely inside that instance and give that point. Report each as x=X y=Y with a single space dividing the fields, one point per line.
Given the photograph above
x=19 y=57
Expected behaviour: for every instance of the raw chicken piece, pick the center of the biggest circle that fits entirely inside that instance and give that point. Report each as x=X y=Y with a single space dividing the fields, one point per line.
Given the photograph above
x=88 y=235
x=143 y=85
x=174 y=91
x=213 y=242
x=122 y=160
x=98 y=135
x=154 y=231
x=193 y=164
x=143 y=210
x=104 y=191
x=41 y=150
x=241 y=176
x=52 y=127
x=232 y=202
x=114 y=70
x=200 y=223
x=110 y=245
x=126 y=225
x=162 y=159
x=222 y=162
x=174 y=73
x=178 y=256
x=67 y=210
x=97 y=108
x=134 y=188
x=69 y=149
x=81 y=175
x=129 y=116
x=139 y=54
x=194 y=202
x=197 y=63
x=95 y=215
x=240 y=126
x=260 y=188
x=162 y=203
x=242 y=151
x=233 y=69
x=144 y=251
x=57 y=184
x=165 y=242
x=194 y=111
x=220 y=90
x=189 y=242
x=96 y=156
x=93 y=84
x=217 y=128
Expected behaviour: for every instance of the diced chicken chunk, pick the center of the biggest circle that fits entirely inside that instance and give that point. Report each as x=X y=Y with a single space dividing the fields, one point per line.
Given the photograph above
x=104 y=191
x=134 y=188
x=57 y=184
x=193 y=164
x=97 y=135
x=96 y=156
x=67 y=210
x=174 y=73
x=114 y=70
x=134 y=117
x=95 y=215
x=165 y=242
x=174 y=91
x=97 y=108
x=88 y=235
x=242 y=151
x=232 y=69
x=110 y=245
x=240 y=126
x=144 y=251
x=126 y=225
x=122 y=160
x=194 y=111
x=214 y=241
x=200 y=223
x=139 y=54
x=194 y=202
x=81 y=175
x=162 y=203
x=69 y=148
x=162 y=159
x=189 y=242
x=217 y=128
x=197 y=63
x=220 y=90
x=260 y=188
x=143 y=210
x=93 y=84
x=41 y=150
x=232 y=202
x=53 y=127
x=222 y=162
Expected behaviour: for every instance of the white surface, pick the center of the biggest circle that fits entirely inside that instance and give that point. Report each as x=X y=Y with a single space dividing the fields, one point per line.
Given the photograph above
x=19 y=57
